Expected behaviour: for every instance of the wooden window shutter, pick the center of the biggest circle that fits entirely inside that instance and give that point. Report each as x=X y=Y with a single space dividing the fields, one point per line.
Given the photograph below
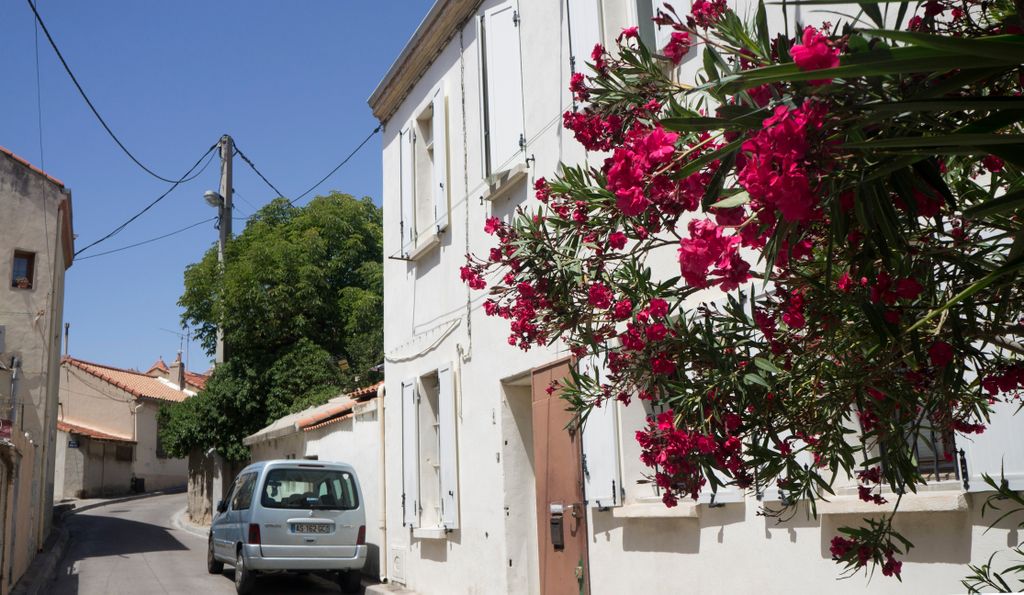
x=601 y=470
x=448 y=450
x=408 y=189
x=439 y=123
x=584 y=31
x=410 y=455
x=504 y=86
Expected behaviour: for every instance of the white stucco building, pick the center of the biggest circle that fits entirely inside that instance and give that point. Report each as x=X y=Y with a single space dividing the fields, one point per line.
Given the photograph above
x=480 y=474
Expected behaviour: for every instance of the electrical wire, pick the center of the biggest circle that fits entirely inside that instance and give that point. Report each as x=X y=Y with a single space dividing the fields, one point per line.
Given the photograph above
x=337 y=167
x=92 y=107
x=322 y=180
x=258 y=173
x=149 y=241
x=116 y=230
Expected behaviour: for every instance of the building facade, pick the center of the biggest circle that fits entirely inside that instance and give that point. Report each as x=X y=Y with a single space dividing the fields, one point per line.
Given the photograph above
x=479 y=470
x=36 y=248
x=109 y=435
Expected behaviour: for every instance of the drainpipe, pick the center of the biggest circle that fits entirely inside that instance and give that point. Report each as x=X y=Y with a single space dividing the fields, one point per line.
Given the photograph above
x=382 y=490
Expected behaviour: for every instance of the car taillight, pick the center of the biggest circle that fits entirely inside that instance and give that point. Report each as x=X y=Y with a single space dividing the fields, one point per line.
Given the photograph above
x=361 y=537
x=254 y=534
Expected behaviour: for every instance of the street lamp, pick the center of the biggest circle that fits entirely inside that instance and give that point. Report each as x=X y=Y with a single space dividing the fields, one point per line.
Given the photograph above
x=214 y=199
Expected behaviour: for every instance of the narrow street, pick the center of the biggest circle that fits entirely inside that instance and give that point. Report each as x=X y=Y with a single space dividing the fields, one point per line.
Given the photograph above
x=132 y=547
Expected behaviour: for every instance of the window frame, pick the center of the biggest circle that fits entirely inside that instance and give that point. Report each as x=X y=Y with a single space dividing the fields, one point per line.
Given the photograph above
x=30 y=273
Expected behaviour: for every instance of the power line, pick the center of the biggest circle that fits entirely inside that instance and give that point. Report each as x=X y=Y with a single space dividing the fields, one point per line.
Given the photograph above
x=158 y=199
x=88 y=102
x=322 y=180
x=337 y=167
x=258 y=173
x=149 y=241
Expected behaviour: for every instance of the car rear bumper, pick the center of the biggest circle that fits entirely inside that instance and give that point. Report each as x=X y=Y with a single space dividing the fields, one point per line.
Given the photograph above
x=256 y=561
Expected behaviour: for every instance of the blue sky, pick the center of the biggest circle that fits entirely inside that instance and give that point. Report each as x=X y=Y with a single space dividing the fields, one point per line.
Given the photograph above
x=288 y=80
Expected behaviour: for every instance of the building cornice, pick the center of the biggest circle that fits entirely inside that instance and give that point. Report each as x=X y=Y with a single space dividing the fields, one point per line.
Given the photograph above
x=437 y=28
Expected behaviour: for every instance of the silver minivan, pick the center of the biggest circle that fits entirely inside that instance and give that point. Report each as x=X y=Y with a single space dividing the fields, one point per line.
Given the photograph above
x=291 y=516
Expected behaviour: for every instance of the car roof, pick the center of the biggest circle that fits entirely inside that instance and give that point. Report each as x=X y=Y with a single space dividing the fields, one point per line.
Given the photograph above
x=298 y=464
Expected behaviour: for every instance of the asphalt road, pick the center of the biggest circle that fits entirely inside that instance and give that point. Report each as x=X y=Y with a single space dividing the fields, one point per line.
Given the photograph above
x=133 y=548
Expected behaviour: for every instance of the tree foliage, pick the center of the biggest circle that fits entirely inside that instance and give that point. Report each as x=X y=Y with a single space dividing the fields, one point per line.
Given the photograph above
x=300 y=301
x=843 y=206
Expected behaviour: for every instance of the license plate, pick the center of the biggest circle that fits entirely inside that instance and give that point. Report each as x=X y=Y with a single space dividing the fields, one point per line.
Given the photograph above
x=312 y=528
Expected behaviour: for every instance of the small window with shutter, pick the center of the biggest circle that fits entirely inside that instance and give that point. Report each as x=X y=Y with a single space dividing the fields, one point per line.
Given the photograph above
x=503 y=89
x=425 y=176
x=430 y=493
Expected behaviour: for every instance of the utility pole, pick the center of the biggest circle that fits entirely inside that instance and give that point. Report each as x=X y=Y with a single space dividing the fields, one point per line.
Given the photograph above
x=227 y=151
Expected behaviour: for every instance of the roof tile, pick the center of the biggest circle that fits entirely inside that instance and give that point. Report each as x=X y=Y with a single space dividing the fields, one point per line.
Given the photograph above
x=134 y=382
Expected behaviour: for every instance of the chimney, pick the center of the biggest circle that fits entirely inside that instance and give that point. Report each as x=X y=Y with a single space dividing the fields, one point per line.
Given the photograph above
x=178 y=372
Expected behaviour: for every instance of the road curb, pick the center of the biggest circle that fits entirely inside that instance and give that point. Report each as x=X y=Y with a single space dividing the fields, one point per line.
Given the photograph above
x=77 y=509
x=43 y=569
x=181 y=521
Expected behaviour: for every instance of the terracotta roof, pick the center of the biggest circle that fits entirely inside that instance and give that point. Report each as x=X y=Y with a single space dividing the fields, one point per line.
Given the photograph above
x=78 y=428
x=327 y=423
x=159 y=365
x=333 y=411
x=197 y=379
x=25 y=162
x=132 y=381
x=325 y=412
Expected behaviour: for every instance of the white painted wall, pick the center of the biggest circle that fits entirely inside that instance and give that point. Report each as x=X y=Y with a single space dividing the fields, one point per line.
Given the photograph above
x=433 y=320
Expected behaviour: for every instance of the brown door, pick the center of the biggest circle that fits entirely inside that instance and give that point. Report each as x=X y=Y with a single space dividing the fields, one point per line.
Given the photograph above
x=561 y=517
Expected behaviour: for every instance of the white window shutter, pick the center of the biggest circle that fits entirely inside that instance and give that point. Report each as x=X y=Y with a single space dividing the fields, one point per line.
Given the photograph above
x=407 y=168
x=448 y=448
x=999 y=449
x=504 y=86
x=439 y=123
x=662 y=34
x=584 y=31
x=410 y=455
x=601 y=471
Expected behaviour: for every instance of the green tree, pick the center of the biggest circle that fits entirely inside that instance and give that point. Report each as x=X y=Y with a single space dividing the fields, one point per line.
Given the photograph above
x=300 y=301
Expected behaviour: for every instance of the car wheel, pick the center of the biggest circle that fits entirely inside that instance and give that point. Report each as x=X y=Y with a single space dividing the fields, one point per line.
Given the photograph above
x=213 y=565
x=243 y=577
x=350 y=581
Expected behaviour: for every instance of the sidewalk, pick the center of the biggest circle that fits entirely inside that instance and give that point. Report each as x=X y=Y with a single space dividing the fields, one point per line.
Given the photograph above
x=181 y=521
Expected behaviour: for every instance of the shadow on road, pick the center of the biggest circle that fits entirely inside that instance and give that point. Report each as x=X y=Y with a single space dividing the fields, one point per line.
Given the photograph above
x=289 y=584
x=118 y=537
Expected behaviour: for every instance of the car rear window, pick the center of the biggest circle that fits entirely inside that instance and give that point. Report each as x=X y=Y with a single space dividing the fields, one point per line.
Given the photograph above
x=308 y=488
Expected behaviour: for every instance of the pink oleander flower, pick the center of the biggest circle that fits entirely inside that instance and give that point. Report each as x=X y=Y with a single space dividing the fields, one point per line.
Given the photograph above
x=599 y=296
x=941 y=354
x=816 y=53
x=677 y=47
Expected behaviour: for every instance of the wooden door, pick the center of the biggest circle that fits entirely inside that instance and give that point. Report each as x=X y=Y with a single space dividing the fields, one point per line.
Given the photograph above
x=561 y=515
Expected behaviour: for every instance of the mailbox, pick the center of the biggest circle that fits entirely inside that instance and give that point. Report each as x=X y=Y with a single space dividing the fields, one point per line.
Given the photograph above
x=557 y=526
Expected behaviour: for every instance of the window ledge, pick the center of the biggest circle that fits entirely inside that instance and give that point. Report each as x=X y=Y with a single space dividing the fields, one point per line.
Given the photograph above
x=429 y=533
x=920 y=502
x=655 y=510
x=424 y=243
x=504 y=181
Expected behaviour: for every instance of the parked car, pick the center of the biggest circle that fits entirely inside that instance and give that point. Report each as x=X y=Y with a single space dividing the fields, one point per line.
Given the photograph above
x=291 y=516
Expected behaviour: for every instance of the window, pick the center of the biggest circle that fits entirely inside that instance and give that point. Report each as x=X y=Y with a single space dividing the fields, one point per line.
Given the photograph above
x=584 y=31
x=24 y=269
x=241 y=498
x=424 y=175
x=429 y=457
x=308 y=488
x=505 y=139
x=123 y=453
